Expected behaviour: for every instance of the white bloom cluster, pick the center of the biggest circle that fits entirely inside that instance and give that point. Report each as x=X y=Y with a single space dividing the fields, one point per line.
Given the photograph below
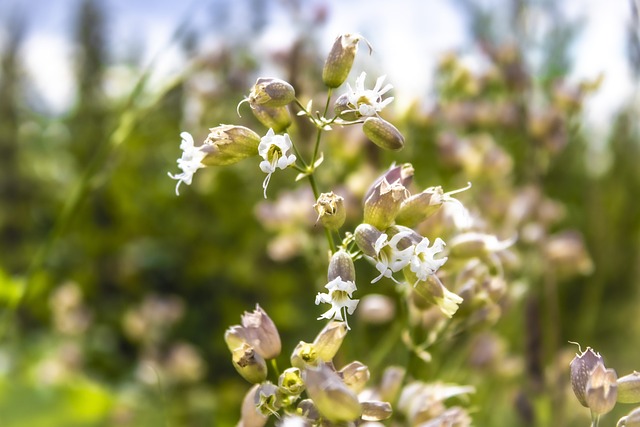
x=190 y=161
x=368 y=102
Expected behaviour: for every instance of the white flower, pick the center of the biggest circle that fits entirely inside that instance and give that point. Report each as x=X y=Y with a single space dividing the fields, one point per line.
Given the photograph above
x=389 y=258
x=276 y=152
x=293 y=421
x=368 y=102
x=455 y=209
x=339 y=296
x=423 y=262
x=190 y=161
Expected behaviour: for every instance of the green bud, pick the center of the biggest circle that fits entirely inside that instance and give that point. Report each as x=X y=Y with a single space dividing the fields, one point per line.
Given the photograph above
x=433 y=291
x=629 y=388
x=227 y=144
x=341 y=265
x=249 y=364
x=383 y=134
x=304 y=355
x=290 y=382
x=271 y=92
x=276 y=118
x=331 y=210
x=329 y=340
x=340 y=60
x=418 y=208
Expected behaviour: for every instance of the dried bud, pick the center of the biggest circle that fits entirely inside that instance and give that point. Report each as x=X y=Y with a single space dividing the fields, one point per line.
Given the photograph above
x=329 y=340
x=249 y=364
x=271 y=92
x=629 y=388
x=227 y=144
x=376 y=411
x=382 y=206
x=341 y=265
x=340 y=59
x=631 y=420
x=383 y=134
x=355 y=376
x=331 y=396
x=365 y=236
x=250 y=416
x=331 y=211
x=344 y=110
x=276 y=118
x=593 y=384
x=290 y=382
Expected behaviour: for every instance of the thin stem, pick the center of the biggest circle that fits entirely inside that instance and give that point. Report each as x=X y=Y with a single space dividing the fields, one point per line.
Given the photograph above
x=274 y=365
x=595 y=419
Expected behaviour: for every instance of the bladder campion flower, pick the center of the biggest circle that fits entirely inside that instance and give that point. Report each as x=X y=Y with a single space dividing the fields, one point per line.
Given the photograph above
x=190 y=161
x=423 y=262
x=276 y=152
x=389 y=258
x=368 y=102
x=339 y=296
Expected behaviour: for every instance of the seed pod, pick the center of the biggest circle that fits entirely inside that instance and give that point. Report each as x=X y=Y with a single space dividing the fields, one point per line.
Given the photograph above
x=383 y=134
x=341 y=265
x=276 y=118
x=271 y=92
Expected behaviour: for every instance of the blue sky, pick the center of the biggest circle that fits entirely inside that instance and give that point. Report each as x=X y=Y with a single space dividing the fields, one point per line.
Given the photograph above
x=408 y=37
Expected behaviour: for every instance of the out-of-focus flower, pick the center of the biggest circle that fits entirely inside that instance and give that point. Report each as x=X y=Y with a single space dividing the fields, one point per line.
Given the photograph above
x=376 y=309
x=333 y=399
x=190 y=161
x=419 y=207
x=294 y=421
x=473 y=244
x=629 y=388
x=355 y=376
x=630 y=420
x=433 y=291
x=276 y=150
x=368 y=102
x=375 y=410
x=422 y=402
x=250 y=416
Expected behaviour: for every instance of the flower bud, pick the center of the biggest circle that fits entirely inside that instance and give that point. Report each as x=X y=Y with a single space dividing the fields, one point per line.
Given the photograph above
x=434 y=292
x=391 y=383
x=376 y=411
x=341 y=265
x=629 y=388
x=331 y=210
x=249 y=364
x=631 y=420
x=355 y=376
x=271 y=92
x=383 y=134
x=602 y=390
x=276 y=118
x=581 y=367
x=381 y=207
x=290 y=382
x=329 y=340
x=344 y=110
x=331 y=396
x=228 y=144
x=259 y=331
x=340 y=60
x=365 y=236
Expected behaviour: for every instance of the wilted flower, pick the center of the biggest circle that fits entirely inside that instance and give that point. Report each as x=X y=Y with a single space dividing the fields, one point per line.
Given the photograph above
x=276 y=152
x=376 y=410
x=331 y=210
x=368 y=102
x=290 y=382
x=190 y=161
x=355 y=376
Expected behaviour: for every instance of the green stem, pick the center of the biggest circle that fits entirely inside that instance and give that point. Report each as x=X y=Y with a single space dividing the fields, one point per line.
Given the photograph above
x=595 y=419
x=274 y=365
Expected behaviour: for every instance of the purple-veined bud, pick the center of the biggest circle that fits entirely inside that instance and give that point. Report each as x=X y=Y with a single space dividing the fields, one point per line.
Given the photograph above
x=366 y=236
x=383 y=134
x=341 y=265
x=382 y=205
x=594 y=385
x=271 y=92
x=340 y=60
x=261 y=333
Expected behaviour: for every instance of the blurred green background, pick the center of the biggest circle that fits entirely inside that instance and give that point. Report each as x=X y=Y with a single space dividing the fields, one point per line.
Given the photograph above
x=115 y=294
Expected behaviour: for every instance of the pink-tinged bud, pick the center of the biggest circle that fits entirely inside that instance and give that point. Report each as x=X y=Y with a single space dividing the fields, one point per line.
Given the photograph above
x=340 y=60
x=271 y=92
x=341 y=265
x=331 y=396
x=331 y=210
x=581 y=367
x=383 y=134
x=261 y=333
x=594 y=385
x=355 y=376
x=629 y=388
x=228 y=144
x=276 y=118
x=376 y=410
